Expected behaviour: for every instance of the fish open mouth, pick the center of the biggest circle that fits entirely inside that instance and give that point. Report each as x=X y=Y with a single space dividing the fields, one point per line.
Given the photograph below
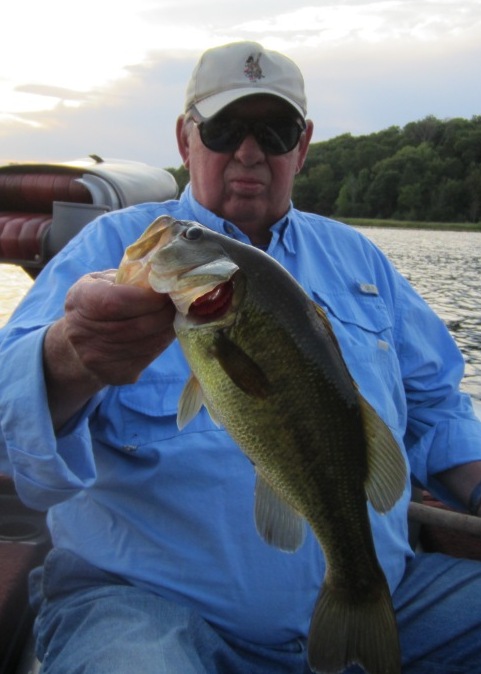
x=213 y=304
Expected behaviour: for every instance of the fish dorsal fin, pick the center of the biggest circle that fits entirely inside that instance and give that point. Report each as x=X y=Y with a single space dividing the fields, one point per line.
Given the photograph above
x=190 y=402
x=276 y=521
x=327 y=326
x=239 y=366
x=387 y=473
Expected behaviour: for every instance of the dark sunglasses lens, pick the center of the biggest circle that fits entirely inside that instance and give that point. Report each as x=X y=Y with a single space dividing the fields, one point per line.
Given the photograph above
x=279 y=136
x=222 y=135
x=276 y=137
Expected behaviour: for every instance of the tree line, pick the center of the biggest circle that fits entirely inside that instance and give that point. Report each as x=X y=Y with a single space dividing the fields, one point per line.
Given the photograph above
x=429 y=170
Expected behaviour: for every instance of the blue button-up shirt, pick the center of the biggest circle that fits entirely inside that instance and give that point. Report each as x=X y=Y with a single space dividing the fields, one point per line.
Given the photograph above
x=173 y=511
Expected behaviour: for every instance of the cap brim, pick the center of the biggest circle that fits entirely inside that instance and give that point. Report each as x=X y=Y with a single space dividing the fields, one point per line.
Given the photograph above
x=210 y=106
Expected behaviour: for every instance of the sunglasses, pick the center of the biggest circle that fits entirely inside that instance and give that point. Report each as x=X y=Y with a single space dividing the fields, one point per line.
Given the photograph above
x=277 y=136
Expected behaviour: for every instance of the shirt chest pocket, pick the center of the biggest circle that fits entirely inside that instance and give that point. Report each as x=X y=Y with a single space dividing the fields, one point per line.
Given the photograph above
x=360 y=321
x=148 y=410
x=136 y=419
x=364 y=329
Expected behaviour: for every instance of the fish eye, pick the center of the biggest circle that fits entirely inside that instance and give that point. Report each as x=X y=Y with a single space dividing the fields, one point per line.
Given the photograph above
x=192 y=233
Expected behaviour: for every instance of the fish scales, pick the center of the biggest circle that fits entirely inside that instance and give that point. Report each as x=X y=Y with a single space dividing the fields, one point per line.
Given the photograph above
x=267 y=366
x=305 y=424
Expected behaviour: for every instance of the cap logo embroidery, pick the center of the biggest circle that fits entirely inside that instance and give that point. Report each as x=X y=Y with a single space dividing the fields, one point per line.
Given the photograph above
x=252 y=69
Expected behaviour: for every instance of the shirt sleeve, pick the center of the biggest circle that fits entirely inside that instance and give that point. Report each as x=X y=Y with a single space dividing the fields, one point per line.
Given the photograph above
x=442 y=428
x=47 y=468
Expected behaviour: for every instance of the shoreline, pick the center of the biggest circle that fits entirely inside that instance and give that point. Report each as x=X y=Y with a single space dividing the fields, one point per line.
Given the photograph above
x=406 y=224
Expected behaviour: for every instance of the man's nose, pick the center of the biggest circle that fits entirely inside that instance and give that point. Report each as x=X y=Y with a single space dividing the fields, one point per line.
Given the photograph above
x=249 y=151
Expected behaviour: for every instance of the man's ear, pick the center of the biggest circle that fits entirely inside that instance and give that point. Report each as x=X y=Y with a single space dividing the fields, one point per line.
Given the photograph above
x=182 y=135
x=304 y=144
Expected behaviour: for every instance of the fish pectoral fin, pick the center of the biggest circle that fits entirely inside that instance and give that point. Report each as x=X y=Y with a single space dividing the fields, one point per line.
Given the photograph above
x=387 y=474
x=190 y=403
x=276 y=521
x=239 y=366
x=348 y=629
x=212 y=414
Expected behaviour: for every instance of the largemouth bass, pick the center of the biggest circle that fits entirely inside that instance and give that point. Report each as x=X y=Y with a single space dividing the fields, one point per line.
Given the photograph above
x=267 y=366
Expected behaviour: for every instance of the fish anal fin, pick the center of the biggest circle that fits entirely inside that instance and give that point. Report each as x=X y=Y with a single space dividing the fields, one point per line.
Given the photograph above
x=190 y=403
x=387 y=472
x=350 y=630
x=239 y=367
x=276 y=521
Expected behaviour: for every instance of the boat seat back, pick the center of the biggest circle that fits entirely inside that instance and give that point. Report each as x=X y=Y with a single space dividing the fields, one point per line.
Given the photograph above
x=42 y=206
x=26 y=211
x=35 y=192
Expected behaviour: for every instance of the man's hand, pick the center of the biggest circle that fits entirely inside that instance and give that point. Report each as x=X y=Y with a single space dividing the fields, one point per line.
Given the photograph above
x=109 y=334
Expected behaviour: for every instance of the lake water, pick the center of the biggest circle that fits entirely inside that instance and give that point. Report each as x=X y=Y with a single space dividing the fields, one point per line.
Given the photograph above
x=14 y=283
x=444 y=267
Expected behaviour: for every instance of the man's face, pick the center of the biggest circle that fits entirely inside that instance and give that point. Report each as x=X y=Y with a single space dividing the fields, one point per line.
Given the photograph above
x=246 y=186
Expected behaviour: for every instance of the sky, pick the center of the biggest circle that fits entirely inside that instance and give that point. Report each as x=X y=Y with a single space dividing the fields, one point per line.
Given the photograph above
x=108 y=76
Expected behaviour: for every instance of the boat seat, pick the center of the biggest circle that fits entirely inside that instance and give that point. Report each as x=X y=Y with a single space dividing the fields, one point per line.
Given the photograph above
x=24 y=542
x=42 y=206
x=36 y=192
x=26 y=210
x=21 y=234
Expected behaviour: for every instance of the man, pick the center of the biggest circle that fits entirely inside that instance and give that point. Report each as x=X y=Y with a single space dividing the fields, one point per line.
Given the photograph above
x=156 y=565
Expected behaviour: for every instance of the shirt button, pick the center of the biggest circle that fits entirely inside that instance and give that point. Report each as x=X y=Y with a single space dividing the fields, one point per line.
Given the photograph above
x=229 y=229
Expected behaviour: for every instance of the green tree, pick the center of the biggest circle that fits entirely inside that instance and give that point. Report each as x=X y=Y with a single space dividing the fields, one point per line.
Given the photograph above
x=351 y=199
x=181 y=176
x=473 y=186
x=382 y=194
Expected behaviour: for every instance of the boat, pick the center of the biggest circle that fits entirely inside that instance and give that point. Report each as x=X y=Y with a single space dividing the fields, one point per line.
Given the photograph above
x=42 y=206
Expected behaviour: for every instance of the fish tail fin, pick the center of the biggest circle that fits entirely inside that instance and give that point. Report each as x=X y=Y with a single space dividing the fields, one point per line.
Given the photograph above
x=344 y=632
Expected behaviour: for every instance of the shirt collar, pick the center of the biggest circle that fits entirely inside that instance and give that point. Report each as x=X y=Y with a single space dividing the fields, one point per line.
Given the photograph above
x=281 y=230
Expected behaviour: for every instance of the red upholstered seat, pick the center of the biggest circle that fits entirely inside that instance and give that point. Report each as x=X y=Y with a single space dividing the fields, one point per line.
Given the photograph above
x=35 y=192
x=26 y=204
x=21 y=234
x=43 y=206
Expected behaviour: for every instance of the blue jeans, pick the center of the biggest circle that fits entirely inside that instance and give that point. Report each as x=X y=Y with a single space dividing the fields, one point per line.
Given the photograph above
x=90 y=622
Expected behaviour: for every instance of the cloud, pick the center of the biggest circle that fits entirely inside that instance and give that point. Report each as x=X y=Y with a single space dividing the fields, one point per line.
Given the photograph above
x=367 y=66
x=134 y=118
x=51 y=91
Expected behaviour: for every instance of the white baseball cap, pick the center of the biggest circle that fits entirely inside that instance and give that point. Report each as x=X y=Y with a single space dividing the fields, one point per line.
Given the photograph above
x=225 y=74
